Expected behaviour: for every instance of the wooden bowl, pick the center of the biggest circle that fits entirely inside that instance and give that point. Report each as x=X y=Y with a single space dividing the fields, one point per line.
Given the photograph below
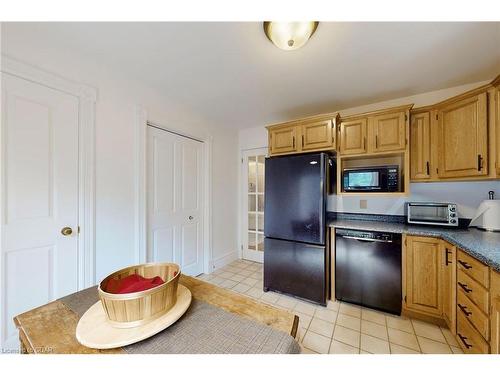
x=136 y=309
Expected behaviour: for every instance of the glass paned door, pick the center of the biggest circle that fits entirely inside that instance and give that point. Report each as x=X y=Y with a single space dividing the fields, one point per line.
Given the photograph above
x=253 y=164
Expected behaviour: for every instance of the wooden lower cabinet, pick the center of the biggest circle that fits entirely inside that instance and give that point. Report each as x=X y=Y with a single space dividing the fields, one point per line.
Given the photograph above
x=423 y=280
x=448 y=282
x=444 y=285
x=495 y=313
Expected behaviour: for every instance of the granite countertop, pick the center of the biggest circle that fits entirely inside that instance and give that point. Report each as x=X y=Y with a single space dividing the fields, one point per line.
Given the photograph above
x=484 y=246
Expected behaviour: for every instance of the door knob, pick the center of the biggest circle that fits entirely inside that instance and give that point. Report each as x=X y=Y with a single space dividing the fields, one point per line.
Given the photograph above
x=66 y=231
x=191 y=218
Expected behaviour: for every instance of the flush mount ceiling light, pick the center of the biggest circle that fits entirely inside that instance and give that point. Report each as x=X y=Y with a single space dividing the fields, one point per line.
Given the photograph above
x=289 y=35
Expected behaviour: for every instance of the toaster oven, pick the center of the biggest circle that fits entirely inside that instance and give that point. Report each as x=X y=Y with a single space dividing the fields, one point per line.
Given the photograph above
x=431 y=213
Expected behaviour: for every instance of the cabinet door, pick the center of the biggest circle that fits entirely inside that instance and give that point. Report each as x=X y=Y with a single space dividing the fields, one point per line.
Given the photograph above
x=448 y=282
x=495 y=313
x=423 y=281
x=318 y=135
x=463 y=143
x=420 y=146
x=389 y=132
x=283 y=140
x=497 y=123
x=353 y=137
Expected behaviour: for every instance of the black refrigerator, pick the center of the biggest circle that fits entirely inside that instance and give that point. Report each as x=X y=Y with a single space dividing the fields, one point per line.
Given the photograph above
x=295 y=256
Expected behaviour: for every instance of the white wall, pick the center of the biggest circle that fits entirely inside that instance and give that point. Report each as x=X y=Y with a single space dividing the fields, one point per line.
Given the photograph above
x=467 y=195
x=118 y=96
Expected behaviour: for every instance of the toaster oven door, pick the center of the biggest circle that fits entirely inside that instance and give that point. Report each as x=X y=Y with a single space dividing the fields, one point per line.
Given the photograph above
x=428 y=214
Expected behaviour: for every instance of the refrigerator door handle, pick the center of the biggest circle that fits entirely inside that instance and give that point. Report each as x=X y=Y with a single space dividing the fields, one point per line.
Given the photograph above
x=315 y=246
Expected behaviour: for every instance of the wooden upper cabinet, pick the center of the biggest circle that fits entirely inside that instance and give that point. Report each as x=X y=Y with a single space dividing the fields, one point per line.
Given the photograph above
x=353 y=136
x=389 y=131
x=448 y=283
x=497 y=126
x=420 y=146
x=283 y=140
x=423 y=276
x=463 y=138
x=318 y=135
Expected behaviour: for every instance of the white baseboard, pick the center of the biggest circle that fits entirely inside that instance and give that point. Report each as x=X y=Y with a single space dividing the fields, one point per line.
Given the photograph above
x=223 y=260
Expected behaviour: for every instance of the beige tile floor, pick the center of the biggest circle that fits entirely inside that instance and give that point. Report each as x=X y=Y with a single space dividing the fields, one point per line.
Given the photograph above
x=340 y=328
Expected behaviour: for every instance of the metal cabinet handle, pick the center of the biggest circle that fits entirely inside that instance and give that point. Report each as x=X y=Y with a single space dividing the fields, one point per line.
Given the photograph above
x=66 y=231
x=463 y=338
x=465 y=265
x=191 y=218
x=464 y=309
x=479 y=162
x=447 y=259
x=428 y=168
x=293 y=142
x=464 y=287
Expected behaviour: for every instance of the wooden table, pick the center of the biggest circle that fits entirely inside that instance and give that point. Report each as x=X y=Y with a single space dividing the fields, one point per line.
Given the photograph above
x=51 y=328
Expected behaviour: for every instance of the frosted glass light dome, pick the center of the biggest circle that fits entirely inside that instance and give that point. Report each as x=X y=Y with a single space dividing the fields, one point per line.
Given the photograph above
x=289 y=35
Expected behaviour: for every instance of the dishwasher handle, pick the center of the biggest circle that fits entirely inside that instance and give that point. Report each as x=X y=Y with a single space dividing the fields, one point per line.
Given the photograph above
x=365 y=239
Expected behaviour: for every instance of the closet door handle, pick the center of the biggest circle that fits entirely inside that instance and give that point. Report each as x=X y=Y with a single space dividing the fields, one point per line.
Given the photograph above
x=464 y=287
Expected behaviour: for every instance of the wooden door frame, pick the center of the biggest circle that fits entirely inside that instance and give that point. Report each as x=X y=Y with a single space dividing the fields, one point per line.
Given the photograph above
x=87 y=97
x=141 y=204
x=243 y=195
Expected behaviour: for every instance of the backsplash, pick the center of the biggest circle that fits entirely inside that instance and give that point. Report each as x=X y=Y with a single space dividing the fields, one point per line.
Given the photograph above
x=467 y=195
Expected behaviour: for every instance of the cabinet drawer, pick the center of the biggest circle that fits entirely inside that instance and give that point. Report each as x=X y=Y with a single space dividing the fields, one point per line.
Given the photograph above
x=468 y=338
x=478 y=319
x=474 y=268
x=473 y=290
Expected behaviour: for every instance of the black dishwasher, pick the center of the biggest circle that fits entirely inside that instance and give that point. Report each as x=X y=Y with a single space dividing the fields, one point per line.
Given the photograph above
x=368 y=269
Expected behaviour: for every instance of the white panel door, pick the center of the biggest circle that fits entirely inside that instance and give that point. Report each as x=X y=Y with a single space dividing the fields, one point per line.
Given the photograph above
x=175 y=200
x=39 y=197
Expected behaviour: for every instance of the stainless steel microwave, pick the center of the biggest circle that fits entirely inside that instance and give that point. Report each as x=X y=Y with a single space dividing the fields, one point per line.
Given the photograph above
x=431 y=213
x=371 y=179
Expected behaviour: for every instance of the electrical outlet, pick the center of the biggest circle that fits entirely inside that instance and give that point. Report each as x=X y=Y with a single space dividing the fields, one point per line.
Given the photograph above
x=363 y=204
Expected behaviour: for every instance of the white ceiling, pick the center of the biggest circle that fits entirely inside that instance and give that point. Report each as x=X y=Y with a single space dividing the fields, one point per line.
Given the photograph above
x=232 y=75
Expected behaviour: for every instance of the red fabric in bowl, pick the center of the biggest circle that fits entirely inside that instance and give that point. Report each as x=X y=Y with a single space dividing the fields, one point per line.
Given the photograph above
x=132 y=283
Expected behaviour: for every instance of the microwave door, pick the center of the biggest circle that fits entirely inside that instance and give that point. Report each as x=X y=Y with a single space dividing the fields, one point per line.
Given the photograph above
x=363 y=180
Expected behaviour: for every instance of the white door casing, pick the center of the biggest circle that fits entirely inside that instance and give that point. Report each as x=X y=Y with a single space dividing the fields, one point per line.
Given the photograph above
x=175 y=200
x=40 y=184
x=252 y=231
